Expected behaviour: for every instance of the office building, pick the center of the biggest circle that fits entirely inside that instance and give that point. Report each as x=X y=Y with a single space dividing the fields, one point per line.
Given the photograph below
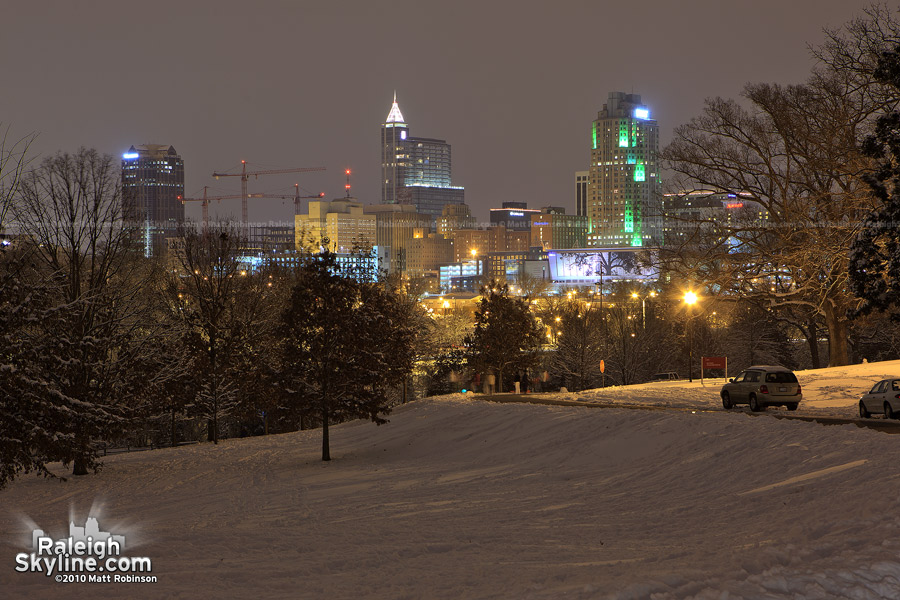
x=426 y=254
x=396 y=225
x=152 y=187
x=624 y=191
x=581 y=192
x=704 y=217
x=553 y=229
x=342 y=222
x=453 y=217
x=513 y=215
x=415 y=171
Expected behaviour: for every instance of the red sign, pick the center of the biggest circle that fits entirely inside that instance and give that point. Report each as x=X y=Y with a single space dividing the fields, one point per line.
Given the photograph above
x=602 y=366
x=714 y=362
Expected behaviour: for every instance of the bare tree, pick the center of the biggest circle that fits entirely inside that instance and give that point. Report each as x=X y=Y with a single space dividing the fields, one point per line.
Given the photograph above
x=794 y=150
x=581 y=343
x=224 y=309
x=70 y=209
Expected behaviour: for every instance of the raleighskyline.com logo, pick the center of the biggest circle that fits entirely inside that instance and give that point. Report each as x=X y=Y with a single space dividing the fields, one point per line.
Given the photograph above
x=88 y=555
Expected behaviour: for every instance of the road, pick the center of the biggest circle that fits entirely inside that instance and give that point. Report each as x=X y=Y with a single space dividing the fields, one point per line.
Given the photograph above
x=874 y=423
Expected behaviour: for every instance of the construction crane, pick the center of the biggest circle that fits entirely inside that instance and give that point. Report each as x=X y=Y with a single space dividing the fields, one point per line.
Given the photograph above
x=296 y=197
x=245 y=175
x=206 y=200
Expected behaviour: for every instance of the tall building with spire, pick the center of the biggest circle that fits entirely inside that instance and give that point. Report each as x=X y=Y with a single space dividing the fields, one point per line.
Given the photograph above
x=624 y=190
x=415 y=170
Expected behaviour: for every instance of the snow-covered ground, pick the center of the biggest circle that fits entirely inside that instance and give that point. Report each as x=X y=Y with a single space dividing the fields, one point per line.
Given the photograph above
x=461 y=498
x=826 y=392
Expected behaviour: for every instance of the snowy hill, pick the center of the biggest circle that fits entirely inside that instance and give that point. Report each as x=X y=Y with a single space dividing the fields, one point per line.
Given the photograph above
x=460 y=498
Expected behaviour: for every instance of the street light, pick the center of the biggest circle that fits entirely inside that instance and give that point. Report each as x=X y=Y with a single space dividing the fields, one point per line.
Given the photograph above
x=690 y=298
x=643 y=300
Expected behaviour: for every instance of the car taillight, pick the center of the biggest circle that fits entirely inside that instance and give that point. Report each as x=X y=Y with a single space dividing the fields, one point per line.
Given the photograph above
x=763 y=389
x=798 y=390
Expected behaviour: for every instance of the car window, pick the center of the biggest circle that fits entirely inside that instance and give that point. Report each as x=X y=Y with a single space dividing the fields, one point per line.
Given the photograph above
x=739 y=378
x=895 y=385
x=752 y=376
x=879 y=387
x=781 y=377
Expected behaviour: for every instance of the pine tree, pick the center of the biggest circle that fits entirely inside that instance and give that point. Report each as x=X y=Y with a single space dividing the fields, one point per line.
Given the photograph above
x=345 y=344
x=506 y=335
x=875 y=252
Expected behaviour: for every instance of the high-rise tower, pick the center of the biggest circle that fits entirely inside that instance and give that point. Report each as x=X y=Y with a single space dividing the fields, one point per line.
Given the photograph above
x=153 y=184
x=415 y=171
x=624 y=188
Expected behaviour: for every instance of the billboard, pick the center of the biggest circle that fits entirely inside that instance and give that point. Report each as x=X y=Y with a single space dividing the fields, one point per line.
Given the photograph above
x=590 y=265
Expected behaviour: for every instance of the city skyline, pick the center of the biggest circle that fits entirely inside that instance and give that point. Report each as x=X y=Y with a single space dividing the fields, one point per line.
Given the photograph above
x=307 y=85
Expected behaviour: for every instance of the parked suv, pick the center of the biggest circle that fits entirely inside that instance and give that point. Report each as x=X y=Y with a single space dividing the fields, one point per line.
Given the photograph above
x=667 y=376
x=762 y=386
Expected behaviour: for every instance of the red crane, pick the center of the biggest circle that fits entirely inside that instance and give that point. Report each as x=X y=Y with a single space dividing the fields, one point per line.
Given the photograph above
x=245 y=175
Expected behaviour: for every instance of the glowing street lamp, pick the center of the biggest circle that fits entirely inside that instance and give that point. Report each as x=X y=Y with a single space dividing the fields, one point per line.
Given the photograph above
x=690 y=299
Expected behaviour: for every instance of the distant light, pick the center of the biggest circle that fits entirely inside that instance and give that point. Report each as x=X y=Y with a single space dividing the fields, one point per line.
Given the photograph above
x=130 y=155
x=641 y=113
x=403 y=135
x=734 y=205
x=513 y=213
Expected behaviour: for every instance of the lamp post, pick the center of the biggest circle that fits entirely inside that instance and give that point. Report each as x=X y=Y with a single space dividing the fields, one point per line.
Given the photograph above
x=690 y=298
x=643 y=300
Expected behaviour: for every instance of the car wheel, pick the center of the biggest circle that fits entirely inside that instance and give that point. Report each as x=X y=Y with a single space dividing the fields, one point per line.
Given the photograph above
x=793 y=406
x=888 y=411
x=755 y=406
x=726 y=401
x=863 y=411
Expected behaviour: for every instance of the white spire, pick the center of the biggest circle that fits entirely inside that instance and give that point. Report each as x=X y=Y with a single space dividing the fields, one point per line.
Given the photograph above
x=395 y=116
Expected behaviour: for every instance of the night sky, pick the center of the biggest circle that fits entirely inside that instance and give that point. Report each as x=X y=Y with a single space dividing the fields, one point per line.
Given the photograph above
x=513 y=86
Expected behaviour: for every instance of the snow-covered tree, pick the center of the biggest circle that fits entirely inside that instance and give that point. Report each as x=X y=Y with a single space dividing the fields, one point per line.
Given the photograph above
x=506 y=336
x=345 y=343
x=581 y=343
x=83 y=336
x=875 y=260
x=223 y=311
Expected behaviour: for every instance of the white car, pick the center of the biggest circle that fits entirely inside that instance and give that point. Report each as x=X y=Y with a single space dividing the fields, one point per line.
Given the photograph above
x=884 y=397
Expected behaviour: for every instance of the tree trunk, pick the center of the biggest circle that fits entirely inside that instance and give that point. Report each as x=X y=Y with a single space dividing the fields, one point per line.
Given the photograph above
x=173 y=425
x=326 y=452
x=812 y=338
x=838 y=334
x=215 y=415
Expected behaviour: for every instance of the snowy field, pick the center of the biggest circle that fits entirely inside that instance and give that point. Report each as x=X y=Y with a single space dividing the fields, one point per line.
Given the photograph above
x=460 y=498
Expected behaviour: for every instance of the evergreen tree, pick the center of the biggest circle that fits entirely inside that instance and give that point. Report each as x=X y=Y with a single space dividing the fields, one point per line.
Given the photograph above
x=506 y=337
x=875 y=253
x=344 y=344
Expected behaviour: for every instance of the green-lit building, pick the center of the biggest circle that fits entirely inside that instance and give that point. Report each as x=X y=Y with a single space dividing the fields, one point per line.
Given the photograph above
x=624 y=191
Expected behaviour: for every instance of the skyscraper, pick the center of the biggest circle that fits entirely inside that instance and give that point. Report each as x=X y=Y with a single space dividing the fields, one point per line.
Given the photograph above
x=152 y=184
x=415 y=171
x=581 y=192
x=624 y=188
